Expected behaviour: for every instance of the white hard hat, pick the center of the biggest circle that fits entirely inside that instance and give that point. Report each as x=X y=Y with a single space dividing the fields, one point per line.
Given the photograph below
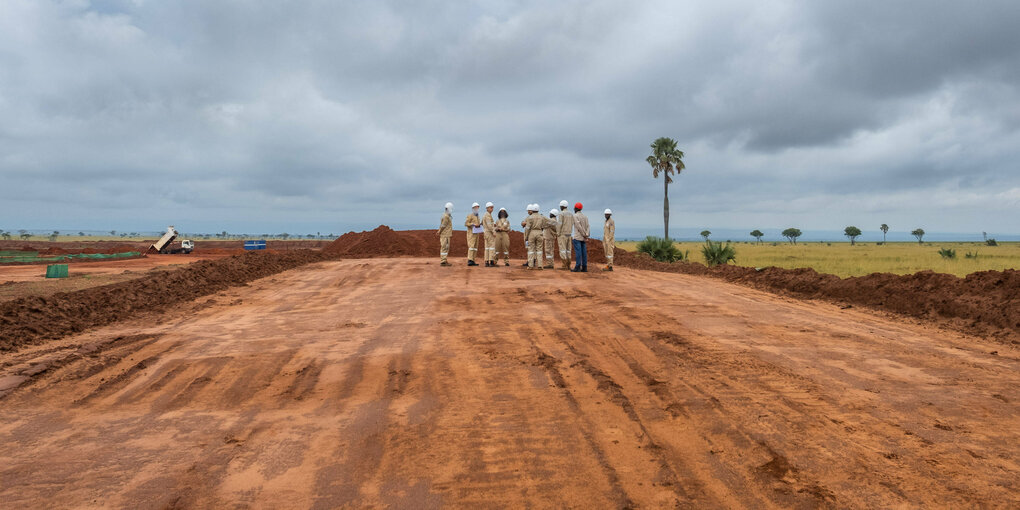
x=536 y=207
x=531 y=207
x=553 y=212
x=474 y=205
x=563 y=203
x=608 y=211
x=488 y=204
x=449 y=206
x=502 y=208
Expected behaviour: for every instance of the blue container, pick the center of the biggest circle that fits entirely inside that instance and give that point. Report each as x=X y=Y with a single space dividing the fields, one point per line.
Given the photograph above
x=259 y=244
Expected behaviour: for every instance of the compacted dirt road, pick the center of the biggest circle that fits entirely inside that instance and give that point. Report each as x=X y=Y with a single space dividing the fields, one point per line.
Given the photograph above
x=395 y=382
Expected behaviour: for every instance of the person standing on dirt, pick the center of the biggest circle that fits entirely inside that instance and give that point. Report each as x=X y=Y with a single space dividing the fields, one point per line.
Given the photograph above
x=471 y=222
x=549 y=237
x=502 y=228
x=445 y=233
x=566 y=228
x=524 y=224
x=581 y=234
x=533 y=227
x=609 y=238
x=488 y=225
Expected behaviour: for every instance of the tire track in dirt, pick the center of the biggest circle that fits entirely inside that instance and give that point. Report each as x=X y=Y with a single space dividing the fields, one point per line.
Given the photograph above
x=399 y=383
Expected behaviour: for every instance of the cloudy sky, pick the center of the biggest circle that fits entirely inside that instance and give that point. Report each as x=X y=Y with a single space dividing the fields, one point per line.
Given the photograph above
x=319 y=115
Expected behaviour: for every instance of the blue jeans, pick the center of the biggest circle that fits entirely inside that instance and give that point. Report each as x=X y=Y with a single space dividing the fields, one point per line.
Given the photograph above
x=580 y=252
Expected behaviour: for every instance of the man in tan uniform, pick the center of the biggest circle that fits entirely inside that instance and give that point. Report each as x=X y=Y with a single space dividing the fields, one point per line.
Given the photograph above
x=445 y=233
x=566 y=230
x=472 y=238
x=524 y=223
x=580 y=239
x=490 y=236
x=609 y=239
x=549 y=235
x=502 y=228
x=533 y=226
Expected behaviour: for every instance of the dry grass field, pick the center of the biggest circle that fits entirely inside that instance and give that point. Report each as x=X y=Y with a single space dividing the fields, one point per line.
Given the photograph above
x=844 y=260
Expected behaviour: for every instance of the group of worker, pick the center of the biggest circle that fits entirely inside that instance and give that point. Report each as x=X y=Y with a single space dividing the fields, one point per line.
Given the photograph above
x=541 y=234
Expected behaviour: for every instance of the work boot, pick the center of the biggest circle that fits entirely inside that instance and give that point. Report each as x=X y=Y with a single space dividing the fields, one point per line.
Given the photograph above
x=608 y=268
x=584 y=269
x=472 y=263
x=577 y=269
x=507 y=264
x=445 y=263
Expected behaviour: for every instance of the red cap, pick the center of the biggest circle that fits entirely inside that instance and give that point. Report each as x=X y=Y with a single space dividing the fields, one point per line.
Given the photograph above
x=578 y=206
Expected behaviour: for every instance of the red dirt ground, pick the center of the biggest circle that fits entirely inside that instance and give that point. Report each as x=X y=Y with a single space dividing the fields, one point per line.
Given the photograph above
x=364 y=383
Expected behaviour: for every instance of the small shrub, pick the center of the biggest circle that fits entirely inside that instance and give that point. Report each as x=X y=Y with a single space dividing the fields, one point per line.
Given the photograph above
x=661 y=249
x=947 y=253
x=718 y=253
x=991 y=242
x=970 y=255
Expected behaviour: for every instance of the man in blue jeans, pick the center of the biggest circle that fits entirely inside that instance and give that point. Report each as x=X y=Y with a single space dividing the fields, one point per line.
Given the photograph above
x=580 y=240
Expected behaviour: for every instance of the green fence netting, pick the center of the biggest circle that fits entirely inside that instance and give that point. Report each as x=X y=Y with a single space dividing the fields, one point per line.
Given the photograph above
x=22 y=257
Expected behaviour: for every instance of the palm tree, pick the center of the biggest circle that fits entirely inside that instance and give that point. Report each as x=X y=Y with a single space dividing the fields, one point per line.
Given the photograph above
x=885 y=230
x=667 y=160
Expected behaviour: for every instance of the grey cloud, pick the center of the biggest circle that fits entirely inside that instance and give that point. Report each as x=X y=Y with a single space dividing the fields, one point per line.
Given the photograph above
x=349 y=113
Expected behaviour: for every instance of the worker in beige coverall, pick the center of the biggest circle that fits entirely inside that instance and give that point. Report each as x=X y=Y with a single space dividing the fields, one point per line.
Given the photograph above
x=445 y=233
x=609 y=239
x=533 y=227
x=490 y=236
x=549 y=235
x=472 y=238
x=502 y=228
x=524 y=223
x=566 y=229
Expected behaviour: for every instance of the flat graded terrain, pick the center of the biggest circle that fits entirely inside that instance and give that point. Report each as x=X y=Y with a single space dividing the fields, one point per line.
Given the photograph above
x=30 y=279
x=397 y=382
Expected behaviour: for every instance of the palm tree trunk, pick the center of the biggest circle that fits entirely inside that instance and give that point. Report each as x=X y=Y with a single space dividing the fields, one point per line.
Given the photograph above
x=665 y=205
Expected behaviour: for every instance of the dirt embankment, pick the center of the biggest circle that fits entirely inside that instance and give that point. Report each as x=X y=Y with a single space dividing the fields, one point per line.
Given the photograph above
x=33 y=319
x=984 y=303
x=386 y=242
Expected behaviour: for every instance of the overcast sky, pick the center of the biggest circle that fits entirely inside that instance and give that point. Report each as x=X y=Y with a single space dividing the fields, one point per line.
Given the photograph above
x=306 y=116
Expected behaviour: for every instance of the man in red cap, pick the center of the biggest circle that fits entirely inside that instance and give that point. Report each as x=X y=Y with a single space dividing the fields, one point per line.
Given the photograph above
x=580 y=240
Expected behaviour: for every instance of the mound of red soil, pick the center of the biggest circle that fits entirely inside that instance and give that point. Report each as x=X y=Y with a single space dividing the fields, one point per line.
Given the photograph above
x=34 y=319
x=386 y=242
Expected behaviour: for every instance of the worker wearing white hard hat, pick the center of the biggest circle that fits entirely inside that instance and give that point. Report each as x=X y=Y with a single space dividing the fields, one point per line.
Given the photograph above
x=549 y=239
x=524 y=223
x=489 y=232
x=471 y=223
x=533 y=227
x=502 y=228
x=445 y=232
x=609 y=238
x=563 y=233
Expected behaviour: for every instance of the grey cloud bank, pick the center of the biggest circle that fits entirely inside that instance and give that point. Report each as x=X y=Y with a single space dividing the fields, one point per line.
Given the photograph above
x=329 y=116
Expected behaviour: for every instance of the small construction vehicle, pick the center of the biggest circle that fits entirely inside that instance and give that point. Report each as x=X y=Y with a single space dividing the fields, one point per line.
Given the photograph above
x=165 y=243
